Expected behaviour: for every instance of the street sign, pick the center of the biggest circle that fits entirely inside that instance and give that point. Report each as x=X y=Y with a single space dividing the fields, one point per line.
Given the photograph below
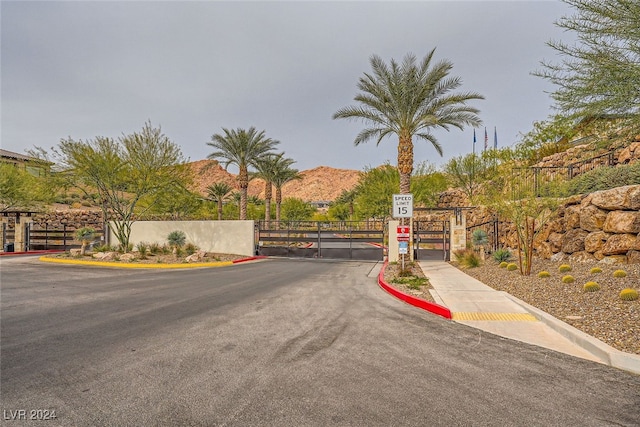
x=402 y=232
x=403 y=248
x=402 y=206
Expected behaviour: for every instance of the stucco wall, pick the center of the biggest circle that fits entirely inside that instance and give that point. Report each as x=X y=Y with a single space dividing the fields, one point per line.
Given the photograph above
x=233 y=237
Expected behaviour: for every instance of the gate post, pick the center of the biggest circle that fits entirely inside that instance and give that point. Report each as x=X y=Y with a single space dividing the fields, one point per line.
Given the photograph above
x=458 y=231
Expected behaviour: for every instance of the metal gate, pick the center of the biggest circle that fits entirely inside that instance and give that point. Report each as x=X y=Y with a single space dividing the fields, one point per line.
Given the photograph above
x=363 y=240
x=431 y=240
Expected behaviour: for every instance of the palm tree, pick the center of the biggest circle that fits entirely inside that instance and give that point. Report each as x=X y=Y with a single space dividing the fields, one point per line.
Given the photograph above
x=267 y=169
x=219 y=193
x=243 y=148
x=283 y=173
x=408 y=100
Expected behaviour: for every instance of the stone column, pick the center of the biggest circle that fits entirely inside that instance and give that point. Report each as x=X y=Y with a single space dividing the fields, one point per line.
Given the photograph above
x=458 y=232
x=21 y=232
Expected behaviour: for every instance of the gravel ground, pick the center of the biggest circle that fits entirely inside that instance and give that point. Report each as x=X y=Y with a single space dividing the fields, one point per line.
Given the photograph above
x=601 y=314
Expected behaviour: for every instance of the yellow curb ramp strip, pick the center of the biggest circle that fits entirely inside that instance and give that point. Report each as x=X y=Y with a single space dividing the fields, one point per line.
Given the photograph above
x=504 y=317
x=133 y=265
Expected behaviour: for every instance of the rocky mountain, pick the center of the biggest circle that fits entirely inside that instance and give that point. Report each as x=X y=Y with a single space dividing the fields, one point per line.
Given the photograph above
x=318 y=184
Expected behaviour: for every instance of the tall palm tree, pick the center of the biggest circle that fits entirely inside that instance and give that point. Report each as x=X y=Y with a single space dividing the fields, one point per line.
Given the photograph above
x=219 y=193
x=410 y=99
x=265 y=171
x=283 y=173
x=244 y=149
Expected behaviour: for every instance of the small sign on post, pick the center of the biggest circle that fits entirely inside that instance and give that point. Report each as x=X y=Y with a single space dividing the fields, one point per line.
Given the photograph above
x=402 y=206
x=403 y=233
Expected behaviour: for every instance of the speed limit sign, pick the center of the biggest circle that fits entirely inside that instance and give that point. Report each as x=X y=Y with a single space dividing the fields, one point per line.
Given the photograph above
x=402 y=206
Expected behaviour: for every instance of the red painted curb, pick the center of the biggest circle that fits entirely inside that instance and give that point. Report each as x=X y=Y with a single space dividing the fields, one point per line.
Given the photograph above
x=416 y=302
x=52 y=251
x=253 y=258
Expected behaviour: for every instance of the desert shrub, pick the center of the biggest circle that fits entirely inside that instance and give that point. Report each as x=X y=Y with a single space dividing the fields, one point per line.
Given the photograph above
x=568 y=279
x=502 y=255
x=155 y=248
x=468 y=258
x=629 y=294
x=412 y=282
x=176 y=238
x=503 y=264
x=591 y=287
x=190 y=248
x=619 y=274
x=544 y=274
x=143 y=249
x=595 y=270
x=512 y=266
x=103 y=248
x=479 y=237
x=166 y=250
x=178 y=251
x=121 y=248
x=604 y=179
x=564 y=268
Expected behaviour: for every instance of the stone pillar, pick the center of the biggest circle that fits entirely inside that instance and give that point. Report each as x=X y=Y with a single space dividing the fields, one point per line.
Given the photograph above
x=21 y=232
x=458 y=232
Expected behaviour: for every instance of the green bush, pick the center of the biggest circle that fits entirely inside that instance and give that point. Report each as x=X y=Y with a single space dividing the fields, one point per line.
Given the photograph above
x=619 y=274
x=568 y=279
x=591 y=287
x=468 y=258
x=176 y=238
x=629 y=294
x=479 y=237
x=502 y=255
x=595 y=270
x=412 y=282
x=603 y=179
x=143 y=249
x=544 y=274
x=512 y=266
x=190 y=248
x=564 y=268
x=103 y=248
x=155 y=248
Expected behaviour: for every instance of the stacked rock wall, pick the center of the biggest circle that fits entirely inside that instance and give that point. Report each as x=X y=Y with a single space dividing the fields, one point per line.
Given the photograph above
x=604 y=225
x=73 y=219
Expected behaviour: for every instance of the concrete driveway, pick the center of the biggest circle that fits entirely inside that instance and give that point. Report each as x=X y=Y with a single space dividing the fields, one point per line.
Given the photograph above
x=275 y=342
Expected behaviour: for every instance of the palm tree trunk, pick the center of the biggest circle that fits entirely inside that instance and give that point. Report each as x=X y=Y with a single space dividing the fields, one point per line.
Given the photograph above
x=278 y=203
x=220 y=209
x=243 y=183
x=405 y=162
x=267 y=204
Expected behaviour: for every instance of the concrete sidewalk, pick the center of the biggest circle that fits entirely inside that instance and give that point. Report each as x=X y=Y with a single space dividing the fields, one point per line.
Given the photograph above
x=475 y=304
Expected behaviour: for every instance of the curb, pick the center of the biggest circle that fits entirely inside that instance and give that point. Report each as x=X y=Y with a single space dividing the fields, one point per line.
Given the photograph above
x=148 y=266
x=40 y=252
x=609 y=355
x=410 y=299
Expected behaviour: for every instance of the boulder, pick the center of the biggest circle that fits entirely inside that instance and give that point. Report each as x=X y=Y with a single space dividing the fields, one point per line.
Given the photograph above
x=598 y=255
x=618 y=244
x=559 y=257
x=555 y=239
x=582 y=256
x=572 y=217
x=620 y=198
x=622 y=222
x=595 y=241
x=573 y=241
x=592 y=218
x=544 y=250
x=75 y=252
x=128 y=257
x=633 y=257
x=614 y=259
x=105 y=256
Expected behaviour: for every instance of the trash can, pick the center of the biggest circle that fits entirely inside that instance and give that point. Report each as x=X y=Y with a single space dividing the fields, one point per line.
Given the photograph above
x=9 y=247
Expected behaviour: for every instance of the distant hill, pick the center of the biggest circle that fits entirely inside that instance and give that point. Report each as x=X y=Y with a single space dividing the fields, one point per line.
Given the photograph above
x=319 y=184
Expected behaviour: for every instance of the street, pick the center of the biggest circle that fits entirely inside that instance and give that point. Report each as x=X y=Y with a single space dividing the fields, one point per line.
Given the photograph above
x=274 y=342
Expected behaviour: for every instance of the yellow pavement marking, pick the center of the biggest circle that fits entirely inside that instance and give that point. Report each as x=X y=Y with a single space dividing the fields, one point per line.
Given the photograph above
x=133 y=265
x=505 y=317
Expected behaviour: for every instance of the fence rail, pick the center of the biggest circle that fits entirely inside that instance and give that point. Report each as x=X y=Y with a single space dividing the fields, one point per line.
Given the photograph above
x=46 y=238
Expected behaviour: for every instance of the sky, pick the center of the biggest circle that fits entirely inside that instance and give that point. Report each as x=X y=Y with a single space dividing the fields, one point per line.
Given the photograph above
x=83 y=69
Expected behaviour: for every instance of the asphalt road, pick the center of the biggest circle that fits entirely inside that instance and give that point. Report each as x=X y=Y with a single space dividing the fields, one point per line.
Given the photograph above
x=277 y=342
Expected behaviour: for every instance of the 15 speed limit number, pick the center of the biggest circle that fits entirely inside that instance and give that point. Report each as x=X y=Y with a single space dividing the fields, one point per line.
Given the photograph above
x=402 y=206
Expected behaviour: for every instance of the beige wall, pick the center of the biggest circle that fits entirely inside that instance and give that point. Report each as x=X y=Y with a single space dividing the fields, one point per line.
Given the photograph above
x=233 y=237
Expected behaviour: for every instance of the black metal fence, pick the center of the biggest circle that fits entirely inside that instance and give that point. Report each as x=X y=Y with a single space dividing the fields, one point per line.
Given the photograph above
x=46 y=238
x=493 y=233
x=543 y=180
